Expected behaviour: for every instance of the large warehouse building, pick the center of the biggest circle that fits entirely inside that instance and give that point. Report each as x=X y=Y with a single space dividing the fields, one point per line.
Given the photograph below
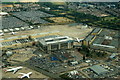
x=98 y=70
x=103 y=40
x=91 y=37
x=56 y=43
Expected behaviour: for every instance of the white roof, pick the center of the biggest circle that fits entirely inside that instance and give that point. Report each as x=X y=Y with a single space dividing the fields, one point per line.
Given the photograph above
x=87 y=61
x=1 y=31
x=17 y=28
x=59 y=41
x=57 y=38
x=11 y=29
x=6 y=30
x=104 y=45
x=22 y=28
x=3 y=13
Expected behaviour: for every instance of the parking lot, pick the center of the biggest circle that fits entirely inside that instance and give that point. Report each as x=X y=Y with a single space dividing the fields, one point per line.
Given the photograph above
x=32 y=16
x=47 y=65
x=11 y=22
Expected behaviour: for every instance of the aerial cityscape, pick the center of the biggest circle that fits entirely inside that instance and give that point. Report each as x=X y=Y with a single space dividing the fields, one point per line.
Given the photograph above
x=59 y=40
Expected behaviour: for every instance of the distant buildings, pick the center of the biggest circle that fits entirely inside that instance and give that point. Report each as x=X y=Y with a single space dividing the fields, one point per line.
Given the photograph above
x=103 y=40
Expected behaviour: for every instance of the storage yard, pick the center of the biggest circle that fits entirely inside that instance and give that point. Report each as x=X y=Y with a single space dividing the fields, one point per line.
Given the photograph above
x=106 y=40
x=12 y=22
x=32 y=16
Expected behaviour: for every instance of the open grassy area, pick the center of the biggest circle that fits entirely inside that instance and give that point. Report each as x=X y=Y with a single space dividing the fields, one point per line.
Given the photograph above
x=61 y=19
x=59 y=3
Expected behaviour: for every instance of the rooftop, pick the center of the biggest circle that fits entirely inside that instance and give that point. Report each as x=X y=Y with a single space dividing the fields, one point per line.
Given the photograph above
x=89 y=38
x=3 y=13
x=96 y=30
x=98 y=69
x=55 y=39
x=11 y=22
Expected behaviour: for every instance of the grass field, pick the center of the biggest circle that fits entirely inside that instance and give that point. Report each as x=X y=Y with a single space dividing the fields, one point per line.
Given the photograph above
x=61 y=19
x=59 y=3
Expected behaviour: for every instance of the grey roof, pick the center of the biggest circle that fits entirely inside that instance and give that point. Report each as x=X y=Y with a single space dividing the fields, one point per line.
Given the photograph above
x=98 y=69
x=89 y=38
x=113 y=55
x=104 y=32
x=96 y=30
x=53 y=40
x=11 y=22
x=117 y=34
x=98 y=40
x=114 y=42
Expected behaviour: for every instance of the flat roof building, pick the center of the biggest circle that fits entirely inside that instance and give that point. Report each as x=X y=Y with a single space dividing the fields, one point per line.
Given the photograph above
x=88 y=40
x=98 y=69
x=96 y=30
x=103 y=40
x=56 y=43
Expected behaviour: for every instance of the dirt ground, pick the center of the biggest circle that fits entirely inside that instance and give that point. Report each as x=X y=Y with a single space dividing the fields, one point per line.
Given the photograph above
x=34 y=74
x=73 y=31
x=21 y=55
x=61 y=19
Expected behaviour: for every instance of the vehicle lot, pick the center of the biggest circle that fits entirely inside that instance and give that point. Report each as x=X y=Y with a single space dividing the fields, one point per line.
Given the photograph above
x=32 y=16
x=11 y=22
x=46 y=64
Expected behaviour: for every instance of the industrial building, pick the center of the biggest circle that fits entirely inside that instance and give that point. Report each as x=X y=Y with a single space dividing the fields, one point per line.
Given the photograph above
x=103 y=40
x=88 y=40
x=107 y=40
x=98 y=70
x=96 y=31
x=56 y=43
x=24 y=40
x=91 y=37
x=101 y=43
